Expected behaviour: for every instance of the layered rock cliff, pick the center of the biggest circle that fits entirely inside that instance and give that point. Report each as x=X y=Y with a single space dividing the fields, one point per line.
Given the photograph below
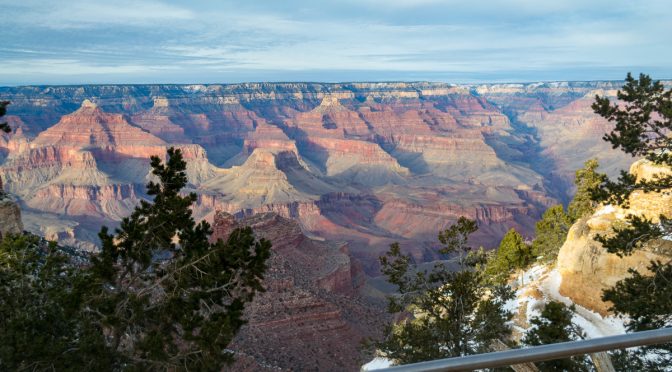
x=420 y=154
x=310 y=310
x=561 y=129
x=91 y=164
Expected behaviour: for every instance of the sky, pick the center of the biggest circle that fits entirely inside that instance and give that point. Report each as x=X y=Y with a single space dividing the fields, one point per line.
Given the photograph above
x=222 y=41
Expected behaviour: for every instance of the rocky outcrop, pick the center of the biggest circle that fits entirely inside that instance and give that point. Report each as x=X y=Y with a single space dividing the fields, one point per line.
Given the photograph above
x=268 y=137
x=330 y=119
x=10 y=218
x=114 y=201
x=359 y=161
x=10 y=215
x=310 y=316
x=158 y=122
x=267 y=177
x=586 y=267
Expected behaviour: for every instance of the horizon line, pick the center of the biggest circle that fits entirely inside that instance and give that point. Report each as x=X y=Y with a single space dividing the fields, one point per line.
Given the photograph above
x=527 y=82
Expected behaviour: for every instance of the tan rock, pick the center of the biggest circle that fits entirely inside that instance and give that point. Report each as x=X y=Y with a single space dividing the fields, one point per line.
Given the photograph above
x=89 y=104
x=587 y=268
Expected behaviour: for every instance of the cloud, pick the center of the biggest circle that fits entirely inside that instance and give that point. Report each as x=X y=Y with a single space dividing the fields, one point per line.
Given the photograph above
x=97 y=13
x=133 y=41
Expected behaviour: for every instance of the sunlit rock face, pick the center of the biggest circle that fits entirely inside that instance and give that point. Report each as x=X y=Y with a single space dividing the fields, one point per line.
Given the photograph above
x=363 y=163
x=587 y=268
x=158 y=121
x=88 y=169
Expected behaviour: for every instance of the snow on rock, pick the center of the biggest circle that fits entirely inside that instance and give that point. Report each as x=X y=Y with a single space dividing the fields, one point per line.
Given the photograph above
x=377 y=363
x=607 y=209
x=541 y=284
x=592 y=323
x=534 y=288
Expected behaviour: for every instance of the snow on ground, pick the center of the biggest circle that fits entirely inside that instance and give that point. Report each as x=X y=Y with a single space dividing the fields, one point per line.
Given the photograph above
x=548 y=283
x=377 y=363
x=592 y=323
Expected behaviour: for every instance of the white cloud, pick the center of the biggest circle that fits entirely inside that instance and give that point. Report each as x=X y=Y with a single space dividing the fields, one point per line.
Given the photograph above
x=97 y=13
x=96 y=37
x=74 y=67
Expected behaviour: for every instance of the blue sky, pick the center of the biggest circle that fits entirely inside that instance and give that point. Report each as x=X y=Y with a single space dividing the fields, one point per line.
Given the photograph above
x=220 y=41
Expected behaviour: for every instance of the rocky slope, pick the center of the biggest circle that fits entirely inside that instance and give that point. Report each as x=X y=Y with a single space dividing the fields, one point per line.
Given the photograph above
x=366 y=163
x=310 y=310
x=10 y=215
x=561 y=127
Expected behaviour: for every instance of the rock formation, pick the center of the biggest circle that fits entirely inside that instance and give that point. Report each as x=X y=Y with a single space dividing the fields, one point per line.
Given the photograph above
x=587 y=268
x=91 y=126
x=90 y=164
x=562 y=127
x=419 y=154
x=10 y=215
x=310 y=310
x=158 y=122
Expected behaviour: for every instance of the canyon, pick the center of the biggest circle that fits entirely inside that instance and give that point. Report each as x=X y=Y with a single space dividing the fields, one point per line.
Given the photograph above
x=331 y=174
x=363 y=163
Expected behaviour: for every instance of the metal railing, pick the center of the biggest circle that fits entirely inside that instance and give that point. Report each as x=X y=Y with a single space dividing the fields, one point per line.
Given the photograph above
x=539 y=353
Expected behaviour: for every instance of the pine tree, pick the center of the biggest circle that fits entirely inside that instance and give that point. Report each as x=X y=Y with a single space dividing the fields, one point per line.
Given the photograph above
x=587 y=179
x=454 y=313
x=40 y=324
x=643 y=127
x=551 y=233
x=552 y=326
x=513 y=254
x=159 y=295
x=3 y=110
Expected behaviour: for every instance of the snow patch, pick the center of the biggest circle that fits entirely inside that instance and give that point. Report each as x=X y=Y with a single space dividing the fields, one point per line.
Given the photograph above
x=377 y=363
x=534 y=308
x=548 y=282
x=605 y=210
x=593 y=324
